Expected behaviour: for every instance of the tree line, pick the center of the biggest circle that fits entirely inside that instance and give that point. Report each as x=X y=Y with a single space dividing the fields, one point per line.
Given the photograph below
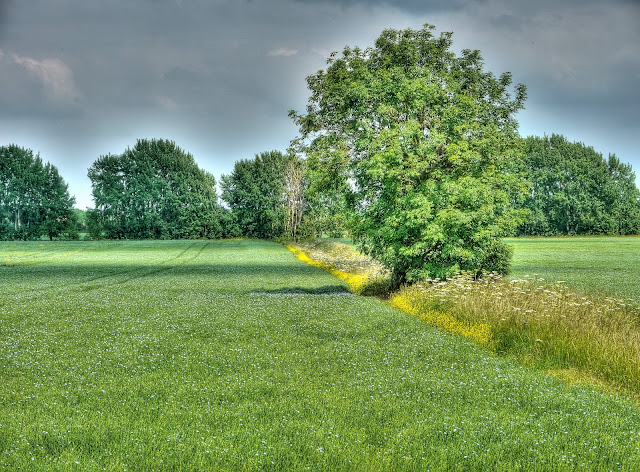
x=34 y=199
x=412 y=150
x=154 y=190
x=575 y=190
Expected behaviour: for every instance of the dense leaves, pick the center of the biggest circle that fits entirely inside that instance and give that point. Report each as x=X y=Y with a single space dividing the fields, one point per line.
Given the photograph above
x=576 y=191
x=154 y=190
x=422 y=144
x=34 y=199
x=255 y=194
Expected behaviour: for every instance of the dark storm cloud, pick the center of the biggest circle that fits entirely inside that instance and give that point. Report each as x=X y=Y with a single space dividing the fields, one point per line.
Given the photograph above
x=412 y=6
x=219 y=76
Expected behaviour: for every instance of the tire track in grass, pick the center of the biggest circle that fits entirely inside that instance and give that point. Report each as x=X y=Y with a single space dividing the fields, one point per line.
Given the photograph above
x=146 y=273
x=159 y=270
x=89 y=284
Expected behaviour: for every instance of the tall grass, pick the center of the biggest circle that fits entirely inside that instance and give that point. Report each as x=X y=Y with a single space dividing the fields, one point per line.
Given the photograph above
x=580 y=336
x=544 y=324
x=363 y=275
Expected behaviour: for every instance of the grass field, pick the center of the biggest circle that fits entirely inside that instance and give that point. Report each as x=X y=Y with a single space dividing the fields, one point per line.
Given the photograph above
x=234 y=355
x=610 y=265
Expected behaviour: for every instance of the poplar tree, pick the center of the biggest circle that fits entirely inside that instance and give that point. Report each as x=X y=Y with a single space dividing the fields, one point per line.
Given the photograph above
x=34 y=199
x=154 y=190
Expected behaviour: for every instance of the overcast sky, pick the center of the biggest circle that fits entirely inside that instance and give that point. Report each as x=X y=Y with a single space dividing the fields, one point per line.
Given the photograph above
x=80 y=79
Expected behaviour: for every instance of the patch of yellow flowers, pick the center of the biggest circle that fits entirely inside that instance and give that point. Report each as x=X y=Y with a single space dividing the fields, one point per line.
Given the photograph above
x=406 y=301
x=355 y=282
x=478 y=332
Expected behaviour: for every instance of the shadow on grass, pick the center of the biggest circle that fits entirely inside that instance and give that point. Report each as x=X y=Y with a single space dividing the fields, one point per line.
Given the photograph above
x=293 y=291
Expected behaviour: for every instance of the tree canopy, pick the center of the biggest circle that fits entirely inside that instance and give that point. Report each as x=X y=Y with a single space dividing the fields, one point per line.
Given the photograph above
x=576 y=191
x=254 y=193
x=153 y=190
x=34 y=199
x=422 y=143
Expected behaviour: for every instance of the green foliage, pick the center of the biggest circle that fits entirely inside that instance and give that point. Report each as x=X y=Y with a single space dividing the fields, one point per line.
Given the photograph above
x=81 y=220
x=576 y=191
x=325 y=215
x=254 y=192
x=154 y=190
x=422 y=145
x=34 y=199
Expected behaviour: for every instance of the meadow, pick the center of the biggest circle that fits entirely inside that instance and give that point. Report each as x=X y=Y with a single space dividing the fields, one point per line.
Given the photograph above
x=234 y=355
x=571 y=307
x=608 y=265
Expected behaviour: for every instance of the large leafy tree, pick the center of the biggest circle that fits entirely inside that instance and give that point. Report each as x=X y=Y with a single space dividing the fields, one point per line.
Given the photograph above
x=577 y=191
x=422 y=143
x=153 y=190
x=255 y=194
x=34 y=199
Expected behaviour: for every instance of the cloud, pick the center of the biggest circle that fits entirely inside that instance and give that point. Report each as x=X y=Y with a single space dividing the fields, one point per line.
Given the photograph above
x=167 y=103
x=54 y=74
x=283 y=52
x=208 y=74
x=411 y=6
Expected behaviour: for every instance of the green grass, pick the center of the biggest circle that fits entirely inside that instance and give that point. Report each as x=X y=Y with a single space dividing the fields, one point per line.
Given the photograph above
x=235 y=355
x=610 y=265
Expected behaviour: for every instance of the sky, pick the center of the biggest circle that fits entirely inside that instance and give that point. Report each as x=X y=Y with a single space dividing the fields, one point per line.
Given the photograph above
x=80 y=79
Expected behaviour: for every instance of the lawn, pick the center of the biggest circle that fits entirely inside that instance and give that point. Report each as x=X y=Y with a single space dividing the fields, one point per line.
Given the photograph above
x=234 y=355
x=610 y=265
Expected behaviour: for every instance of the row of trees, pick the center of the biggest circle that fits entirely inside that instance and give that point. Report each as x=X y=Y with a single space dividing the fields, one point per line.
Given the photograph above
x=34 y=199
x=153 y=190
x=265 y=196
x=411 y=148
x=574 y=190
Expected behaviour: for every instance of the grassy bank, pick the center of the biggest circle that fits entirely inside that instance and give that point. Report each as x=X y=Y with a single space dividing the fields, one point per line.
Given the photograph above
x=564 y=315
x=236 y=356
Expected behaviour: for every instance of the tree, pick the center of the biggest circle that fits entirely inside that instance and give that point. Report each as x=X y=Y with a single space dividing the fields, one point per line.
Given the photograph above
x=576 y=191
x=423 y=144
x=293 y=187
x=254 y=192
x=154 y=190
x=57 y=215
x=34 y=199
x=81 y=220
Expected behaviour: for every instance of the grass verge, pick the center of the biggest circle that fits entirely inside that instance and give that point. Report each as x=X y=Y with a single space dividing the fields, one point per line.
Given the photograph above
x=363 y=275
x=578 y=336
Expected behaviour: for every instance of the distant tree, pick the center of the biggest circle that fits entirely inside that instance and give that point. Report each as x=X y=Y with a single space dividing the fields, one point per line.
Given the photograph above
x=81 y=220
x=423 y=145
x=576 y=191
x=294 y=201
x=326 y=211
x=254 y=193
x=621 y=198
x=34 y=199
x=153 y=190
